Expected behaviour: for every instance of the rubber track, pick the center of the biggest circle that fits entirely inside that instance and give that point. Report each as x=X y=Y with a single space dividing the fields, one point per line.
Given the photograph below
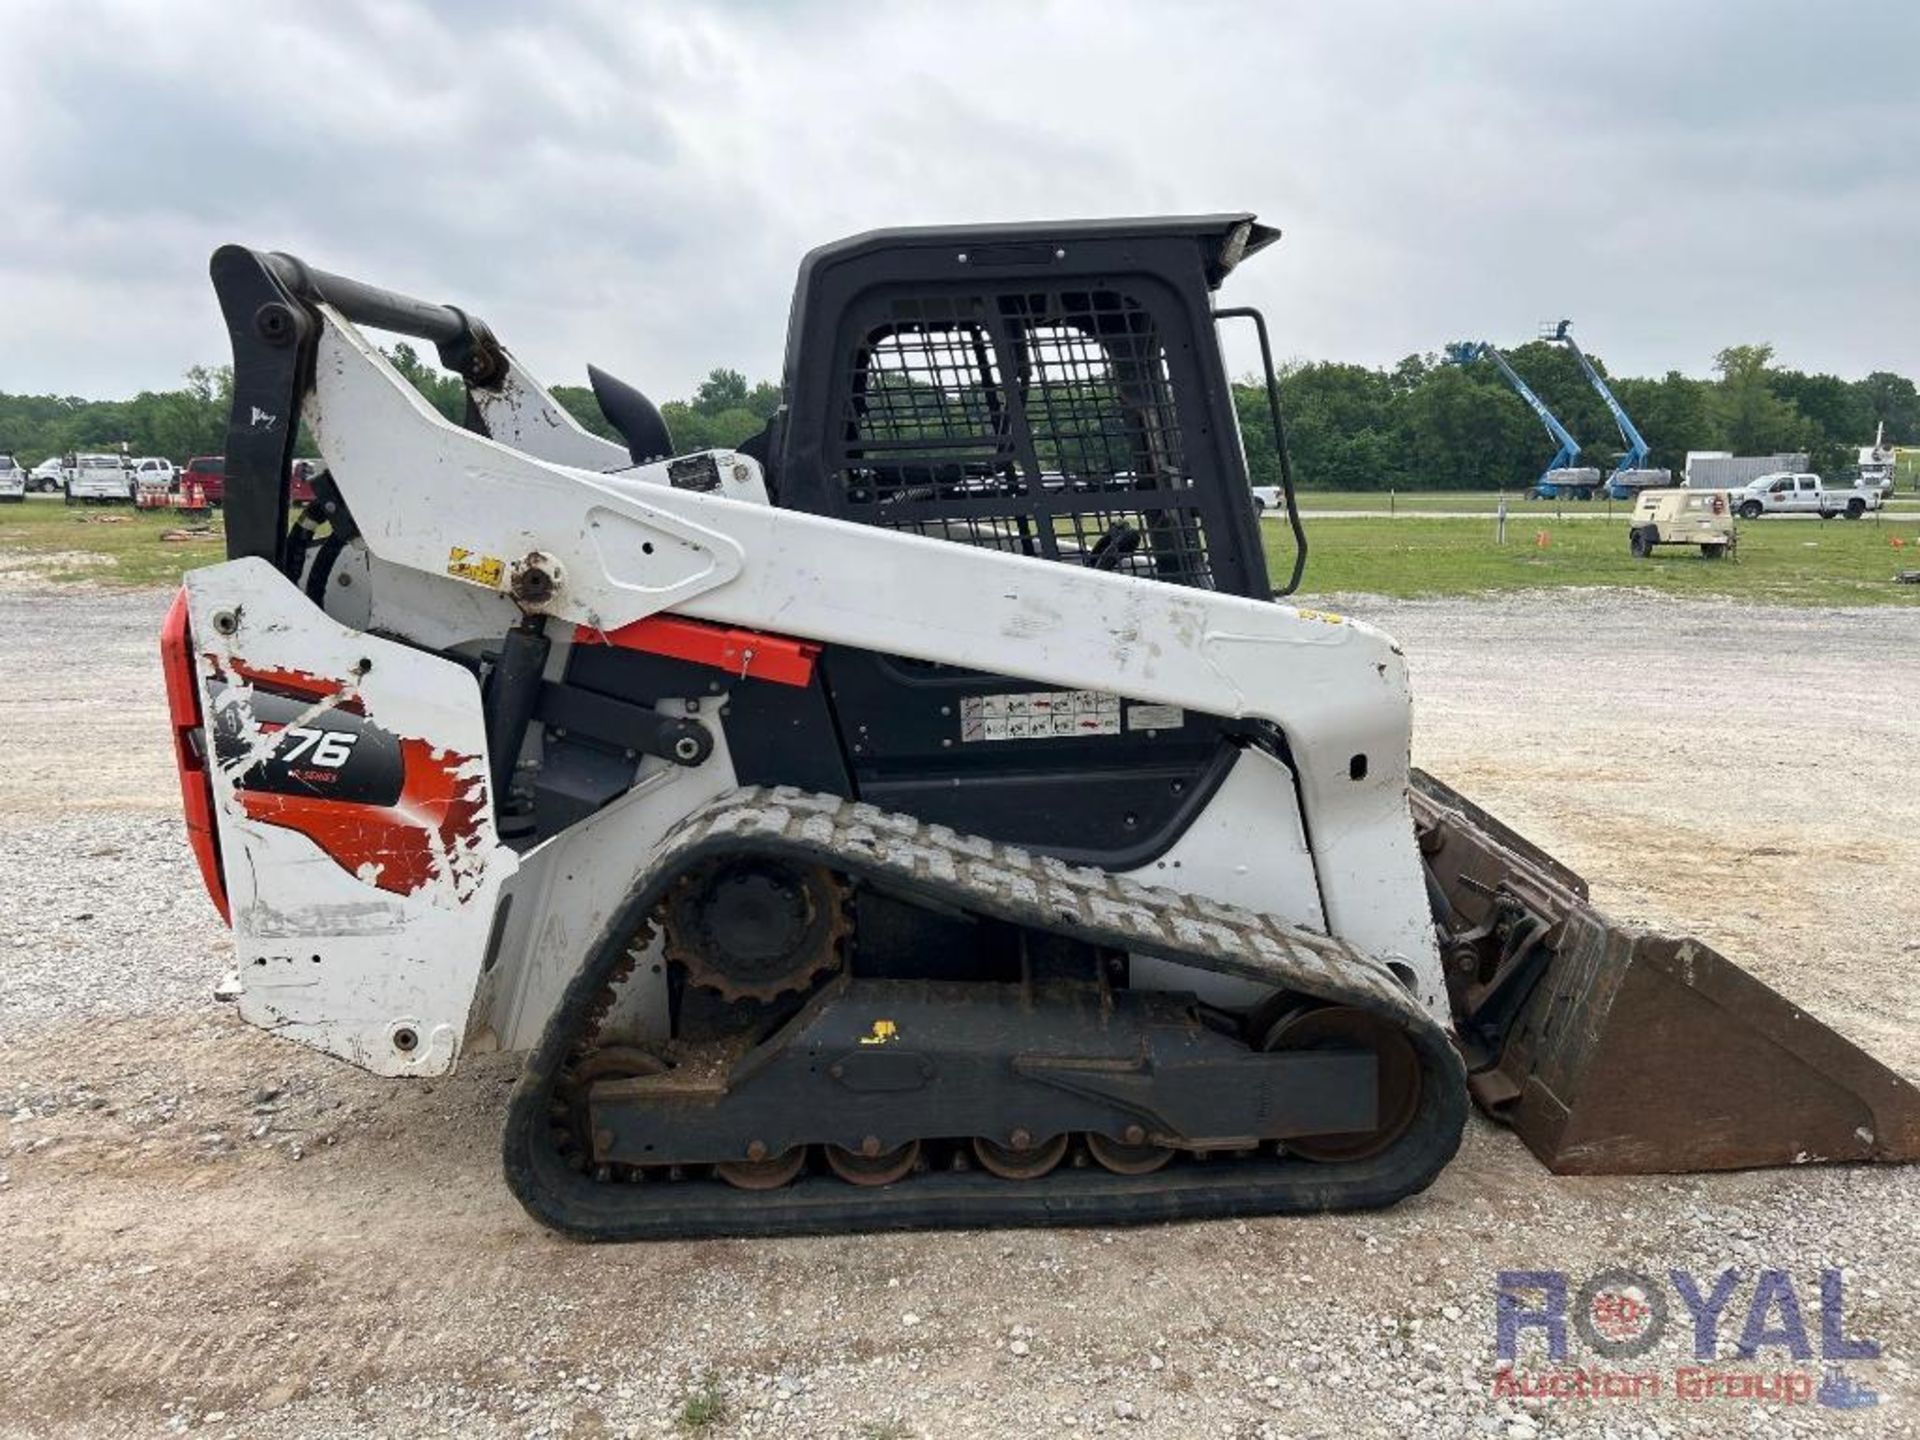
x=940 y=865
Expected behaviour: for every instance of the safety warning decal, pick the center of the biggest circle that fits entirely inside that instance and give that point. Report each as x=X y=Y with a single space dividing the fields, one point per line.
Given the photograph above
x=1039 y=715
x=471 y=565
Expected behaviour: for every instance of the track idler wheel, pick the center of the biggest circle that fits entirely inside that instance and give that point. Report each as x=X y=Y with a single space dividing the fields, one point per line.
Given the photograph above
x=572 y=1116
x=1127 y=1157
x=1341 y=1027
x=870 y=1165
x=1020 y=1161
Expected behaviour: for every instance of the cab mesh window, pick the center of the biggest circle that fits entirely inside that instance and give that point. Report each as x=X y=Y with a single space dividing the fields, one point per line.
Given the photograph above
x=1037 y=422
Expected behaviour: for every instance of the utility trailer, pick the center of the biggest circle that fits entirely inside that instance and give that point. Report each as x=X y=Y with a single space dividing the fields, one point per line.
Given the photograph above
x=1678 y=516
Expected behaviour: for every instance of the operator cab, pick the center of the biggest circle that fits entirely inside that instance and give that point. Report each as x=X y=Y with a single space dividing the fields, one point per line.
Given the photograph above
x=1047 y=390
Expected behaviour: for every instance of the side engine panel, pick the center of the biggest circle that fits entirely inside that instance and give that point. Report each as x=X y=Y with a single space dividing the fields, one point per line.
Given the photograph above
x=355 y=823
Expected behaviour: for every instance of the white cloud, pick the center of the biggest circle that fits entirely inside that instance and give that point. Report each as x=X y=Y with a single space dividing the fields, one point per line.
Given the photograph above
x=635 y=184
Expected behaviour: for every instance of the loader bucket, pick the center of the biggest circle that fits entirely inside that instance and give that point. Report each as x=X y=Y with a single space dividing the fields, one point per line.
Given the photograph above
x=1612 y=1050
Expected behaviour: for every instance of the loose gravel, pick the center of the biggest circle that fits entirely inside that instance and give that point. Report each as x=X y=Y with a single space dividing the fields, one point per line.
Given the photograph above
x=208 y=1231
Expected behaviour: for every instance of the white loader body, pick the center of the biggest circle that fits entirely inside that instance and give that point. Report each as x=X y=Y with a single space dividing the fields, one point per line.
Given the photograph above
x=391 y=982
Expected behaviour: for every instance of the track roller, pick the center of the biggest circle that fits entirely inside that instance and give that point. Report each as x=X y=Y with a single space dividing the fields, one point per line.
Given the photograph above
x=1126 y=1157
x=767 y=1172
x=1018 y=1161
x=859 y=1167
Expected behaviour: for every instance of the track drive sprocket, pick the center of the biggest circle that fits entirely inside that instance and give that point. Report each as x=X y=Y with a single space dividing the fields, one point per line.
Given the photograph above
x=756 y=928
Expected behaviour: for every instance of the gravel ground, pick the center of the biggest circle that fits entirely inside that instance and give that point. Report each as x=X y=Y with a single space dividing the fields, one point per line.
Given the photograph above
x=208 y=1231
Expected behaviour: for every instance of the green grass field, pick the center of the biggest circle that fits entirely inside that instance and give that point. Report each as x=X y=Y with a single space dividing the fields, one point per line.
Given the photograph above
x=1406 y=502
x=1784 y=562
x=1486 y=502
x=106 y=545
x=1788 y=562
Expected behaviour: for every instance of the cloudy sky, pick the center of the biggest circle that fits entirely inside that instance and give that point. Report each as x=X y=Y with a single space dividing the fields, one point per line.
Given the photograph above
x=634 y=184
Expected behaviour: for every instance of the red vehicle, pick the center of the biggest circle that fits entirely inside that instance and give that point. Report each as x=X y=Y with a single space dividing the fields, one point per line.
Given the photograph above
x=300 y=480
x=211 y=472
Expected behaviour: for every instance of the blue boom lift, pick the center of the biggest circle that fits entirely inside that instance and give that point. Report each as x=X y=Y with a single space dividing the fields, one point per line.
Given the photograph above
x=1630 y=476
x=1562 y=479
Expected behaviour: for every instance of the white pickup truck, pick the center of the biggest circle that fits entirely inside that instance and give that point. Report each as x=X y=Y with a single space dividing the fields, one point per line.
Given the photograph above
x=152 y=472
x=1798 y=493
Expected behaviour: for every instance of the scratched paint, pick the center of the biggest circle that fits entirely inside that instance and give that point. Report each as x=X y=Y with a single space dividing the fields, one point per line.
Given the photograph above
x=397 y=812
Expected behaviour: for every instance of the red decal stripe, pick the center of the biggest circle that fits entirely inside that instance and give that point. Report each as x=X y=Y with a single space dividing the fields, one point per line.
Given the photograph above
x=196 y=785
x=747 y=654
x=299 y=685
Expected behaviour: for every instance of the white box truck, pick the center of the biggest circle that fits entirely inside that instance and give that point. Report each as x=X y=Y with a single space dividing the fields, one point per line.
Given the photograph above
x=1724 y=470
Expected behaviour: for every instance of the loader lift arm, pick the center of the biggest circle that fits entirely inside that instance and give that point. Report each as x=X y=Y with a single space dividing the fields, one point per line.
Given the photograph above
x=267 y=299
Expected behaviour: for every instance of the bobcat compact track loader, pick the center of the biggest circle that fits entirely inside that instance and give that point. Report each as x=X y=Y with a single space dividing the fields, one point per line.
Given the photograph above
x=923 y=815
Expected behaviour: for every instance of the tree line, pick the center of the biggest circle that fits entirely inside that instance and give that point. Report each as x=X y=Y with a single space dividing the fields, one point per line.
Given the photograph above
x=1427 y=424
x=192 y=420
x=1422 y=424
